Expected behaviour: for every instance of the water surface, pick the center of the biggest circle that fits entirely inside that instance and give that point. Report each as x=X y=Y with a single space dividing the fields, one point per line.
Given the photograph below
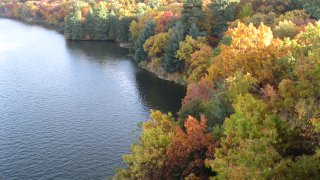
x=68 y=110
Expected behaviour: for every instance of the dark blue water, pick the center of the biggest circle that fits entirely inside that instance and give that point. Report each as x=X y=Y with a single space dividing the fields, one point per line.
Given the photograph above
x=68 y=110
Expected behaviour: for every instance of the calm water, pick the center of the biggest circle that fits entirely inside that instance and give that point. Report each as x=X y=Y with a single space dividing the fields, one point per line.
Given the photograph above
x=68 y=110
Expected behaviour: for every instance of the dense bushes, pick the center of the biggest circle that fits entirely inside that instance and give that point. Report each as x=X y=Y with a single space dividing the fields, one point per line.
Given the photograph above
x=264 y=118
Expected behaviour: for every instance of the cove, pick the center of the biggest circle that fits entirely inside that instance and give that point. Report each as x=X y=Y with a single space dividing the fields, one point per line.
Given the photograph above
x=69 y=110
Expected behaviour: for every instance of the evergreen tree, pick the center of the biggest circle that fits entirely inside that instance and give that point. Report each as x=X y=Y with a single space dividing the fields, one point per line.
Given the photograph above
x=312 y=7
x=100 y=16
x=171 y=63
x=68 y=27
x=195 y=32
x=171 y=23
x=123 y=29
x=221 y=13
x=191 y=13
x=112 y=26
x=89 y=24
x=148 y=31
x=73 y=24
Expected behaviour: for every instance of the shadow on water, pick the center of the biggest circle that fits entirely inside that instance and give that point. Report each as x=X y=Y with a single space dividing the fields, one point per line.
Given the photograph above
x=99 y=51
x=154 y=92
x=160 y=94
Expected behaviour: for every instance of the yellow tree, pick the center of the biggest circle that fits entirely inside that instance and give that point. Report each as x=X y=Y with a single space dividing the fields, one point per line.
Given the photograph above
x=252 y=50
x=189 y=46
x=154 y=46
x=200 y=61
x=147 y=157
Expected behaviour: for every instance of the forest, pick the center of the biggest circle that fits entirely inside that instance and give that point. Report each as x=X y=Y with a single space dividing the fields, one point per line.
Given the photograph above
x=252 y=72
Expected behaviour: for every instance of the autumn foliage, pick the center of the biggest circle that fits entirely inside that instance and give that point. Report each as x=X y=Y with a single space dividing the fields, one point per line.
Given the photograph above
x=252 y=50
x=195 y=144
x=256 y=93
x=252 y=71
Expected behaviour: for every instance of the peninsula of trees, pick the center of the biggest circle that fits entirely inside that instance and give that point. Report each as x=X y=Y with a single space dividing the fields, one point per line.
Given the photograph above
x=252 y=71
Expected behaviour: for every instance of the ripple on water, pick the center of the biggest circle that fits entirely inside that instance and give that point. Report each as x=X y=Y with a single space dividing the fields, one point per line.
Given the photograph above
x=68 y=110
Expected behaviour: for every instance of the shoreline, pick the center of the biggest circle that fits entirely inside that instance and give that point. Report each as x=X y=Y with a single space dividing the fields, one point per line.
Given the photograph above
x=33 y=21
x=175 y=78
x=161 y=74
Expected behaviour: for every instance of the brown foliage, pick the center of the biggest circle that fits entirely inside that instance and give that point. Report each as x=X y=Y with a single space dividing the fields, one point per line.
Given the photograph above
x=200 y=90
x=190 y=148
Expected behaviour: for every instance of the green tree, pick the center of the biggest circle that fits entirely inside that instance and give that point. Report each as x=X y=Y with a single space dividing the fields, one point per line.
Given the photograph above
x=191 y=13
x=171 y=63
x=221 y=12
x=122 y=32
x=312 y=7
x=89 y=24
x=195 y=32
x=73 y=24
x=246 y=11
x=247 y=150
x=112 y=34
x=148 y=31
x=100 y=16
x=217 y=108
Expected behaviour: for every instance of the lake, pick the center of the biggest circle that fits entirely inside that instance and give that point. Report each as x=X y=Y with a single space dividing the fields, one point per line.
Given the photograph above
x=69 y=110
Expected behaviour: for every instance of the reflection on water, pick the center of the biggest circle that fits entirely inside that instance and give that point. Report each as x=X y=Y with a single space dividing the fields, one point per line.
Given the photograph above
x=97 y=51
x=68 y=109
x=155 y=93
x=159 y=94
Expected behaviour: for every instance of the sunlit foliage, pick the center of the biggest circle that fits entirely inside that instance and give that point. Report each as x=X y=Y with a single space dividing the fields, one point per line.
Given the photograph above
x=252 y=71
x=147 y=157
x=188 y=150
x=252 y=50
x=154 y=46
